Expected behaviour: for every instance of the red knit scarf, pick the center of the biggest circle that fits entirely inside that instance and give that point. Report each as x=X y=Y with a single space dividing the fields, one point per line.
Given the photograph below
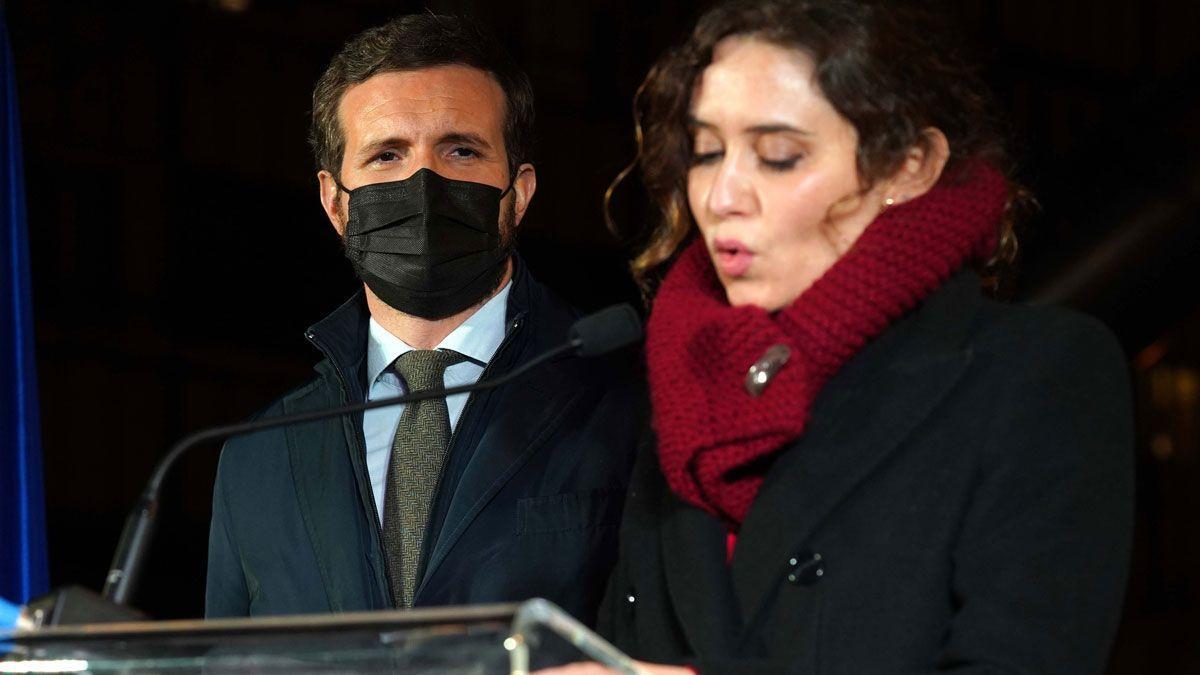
x=715 y=440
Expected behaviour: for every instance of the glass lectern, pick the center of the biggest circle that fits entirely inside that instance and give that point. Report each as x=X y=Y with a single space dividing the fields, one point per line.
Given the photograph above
x=483 y=639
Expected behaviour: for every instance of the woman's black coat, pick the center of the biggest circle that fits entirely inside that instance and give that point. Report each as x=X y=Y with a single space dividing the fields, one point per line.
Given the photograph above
x=961 y=502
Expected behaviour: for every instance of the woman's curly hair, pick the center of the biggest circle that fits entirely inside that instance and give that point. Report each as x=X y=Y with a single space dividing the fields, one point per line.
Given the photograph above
x=891 y=70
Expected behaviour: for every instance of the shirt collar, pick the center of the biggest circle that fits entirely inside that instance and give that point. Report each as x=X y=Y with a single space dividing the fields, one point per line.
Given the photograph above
x=477 y=338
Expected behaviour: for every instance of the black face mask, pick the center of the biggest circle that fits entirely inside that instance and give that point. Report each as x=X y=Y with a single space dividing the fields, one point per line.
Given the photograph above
x=427 y=245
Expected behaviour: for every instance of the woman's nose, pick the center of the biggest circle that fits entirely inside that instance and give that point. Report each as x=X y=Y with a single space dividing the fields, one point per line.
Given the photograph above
x=732 y=193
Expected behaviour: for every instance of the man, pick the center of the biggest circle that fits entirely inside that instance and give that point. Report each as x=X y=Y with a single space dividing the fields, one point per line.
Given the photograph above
x=421 y=130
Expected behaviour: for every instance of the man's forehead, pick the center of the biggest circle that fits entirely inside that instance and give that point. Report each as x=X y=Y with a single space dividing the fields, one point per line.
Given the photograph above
x=438 y=100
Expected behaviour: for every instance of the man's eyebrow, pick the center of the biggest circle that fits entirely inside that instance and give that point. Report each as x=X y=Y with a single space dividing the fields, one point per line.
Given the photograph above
x=375 y=146
x=372 y=148
x=466 y=138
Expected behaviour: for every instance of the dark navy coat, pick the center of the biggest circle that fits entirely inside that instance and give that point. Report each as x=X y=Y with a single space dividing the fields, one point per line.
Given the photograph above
x=529 y=503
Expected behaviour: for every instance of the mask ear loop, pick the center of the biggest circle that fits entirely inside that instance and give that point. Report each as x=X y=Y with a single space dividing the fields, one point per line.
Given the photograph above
x=514 y=170
x=508 y=189
x=338 y=183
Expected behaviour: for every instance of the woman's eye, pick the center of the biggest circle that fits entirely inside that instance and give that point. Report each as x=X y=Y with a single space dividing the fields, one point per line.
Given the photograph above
x=785 y=164
x=707 y=147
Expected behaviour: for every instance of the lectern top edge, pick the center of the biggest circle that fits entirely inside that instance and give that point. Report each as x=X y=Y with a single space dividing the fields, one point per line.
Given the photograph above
x=391 y=619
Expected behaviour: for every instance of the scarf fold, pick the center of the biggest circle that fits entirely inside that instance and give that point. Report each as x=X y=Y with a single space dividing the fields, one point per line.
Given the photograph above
x=716 y=441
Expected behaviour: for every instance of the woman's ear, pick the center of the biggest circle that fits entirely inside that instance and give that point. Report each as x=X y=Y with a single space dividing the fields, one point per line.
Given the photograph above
x=921 y=169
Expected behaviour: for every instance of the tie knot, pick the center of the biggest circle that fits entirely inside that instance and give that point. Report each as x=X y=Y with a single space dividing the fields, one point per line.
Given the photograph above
x=425 y=368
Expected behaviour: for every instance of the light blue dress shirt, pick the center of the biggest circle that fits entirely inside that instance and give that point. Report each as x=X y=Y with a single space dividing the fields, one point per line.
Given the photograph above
x=477 y=338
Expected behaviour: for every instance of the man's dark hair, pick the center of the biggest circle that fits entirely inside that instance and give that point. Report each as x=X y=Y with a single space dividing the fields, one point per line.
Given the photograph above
x=413 y=42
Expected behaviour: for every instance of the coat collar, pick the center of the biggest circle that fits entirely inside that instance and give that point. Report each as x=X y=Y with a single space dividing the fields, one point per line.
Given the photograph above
x=342 y=335
x=860 y=417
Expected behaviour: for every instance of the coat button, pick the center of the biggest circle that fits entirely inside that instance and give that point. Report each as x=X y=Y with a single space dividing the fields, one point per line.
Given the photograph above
x=806 y=568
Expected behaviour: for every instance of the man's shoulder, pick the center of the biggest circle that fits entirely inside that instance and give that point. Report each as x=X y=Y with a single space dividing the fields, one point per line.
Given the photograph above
x=620 y=369
x=553 y=313
x=255 y=451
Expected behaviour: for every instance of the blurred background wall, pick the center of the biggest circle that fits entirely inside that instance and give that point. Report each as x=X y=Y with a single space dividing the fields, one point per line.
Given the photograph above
x=179 y=250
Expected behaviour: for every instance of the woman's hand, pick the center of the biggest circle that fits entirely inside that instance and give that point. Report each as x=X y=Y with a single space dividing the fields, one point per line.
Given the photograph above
x=592 y=668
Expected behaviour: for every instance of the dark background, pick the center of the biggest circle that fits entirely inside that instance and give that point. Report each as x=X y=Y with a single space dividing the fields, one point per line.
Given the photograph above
x=179 y=249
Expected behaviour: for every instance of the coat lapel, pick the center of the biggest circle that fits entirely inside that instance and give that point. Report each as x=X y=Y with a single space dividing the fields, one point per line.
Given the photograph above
x=516 y=427
x=693 y=553
x=862 y=416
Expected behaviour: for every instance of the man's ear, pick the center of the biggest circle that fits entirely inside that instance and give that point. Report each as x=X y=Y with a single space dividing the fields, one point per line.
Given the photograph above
x=921 y=169
x=523 y=188
x=331 y=201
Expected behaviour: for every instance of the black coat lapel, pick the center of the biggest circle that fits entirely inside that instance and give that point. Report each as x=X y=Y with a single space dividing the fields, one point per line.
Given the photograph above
x=693 y=553
x=522 y=416
x=863 y=414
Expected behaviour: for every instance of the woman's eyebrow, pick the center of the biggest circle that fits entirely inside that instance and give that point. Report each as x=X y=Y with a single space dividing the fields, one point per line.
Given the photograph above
x=776 y=128
x=757 y=129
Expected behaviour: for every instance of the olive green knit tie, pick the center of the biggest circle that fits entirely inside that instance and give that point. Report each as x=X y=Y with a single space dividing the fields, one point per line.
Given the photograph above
x=418 y=454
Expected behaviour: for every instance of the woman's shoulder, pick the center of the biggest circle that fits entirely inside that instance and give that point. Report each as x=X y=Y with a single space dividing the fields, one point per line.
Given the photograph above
x=1051 y=374
x=1054 y=338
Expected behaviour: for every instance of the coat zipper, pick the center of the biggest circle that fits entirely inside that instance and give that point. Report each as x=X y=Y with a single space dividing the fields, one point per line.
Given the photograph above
x=360 y=449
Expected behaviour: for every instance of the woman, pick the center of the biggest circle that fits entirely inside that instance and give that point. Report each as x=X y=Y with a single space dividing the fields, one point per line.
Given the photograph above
x=860 y=465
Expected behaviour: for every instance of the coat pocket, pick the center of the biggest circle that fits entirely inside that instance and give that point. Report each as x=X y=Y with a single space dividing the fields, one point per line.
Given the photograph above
x=569 y=512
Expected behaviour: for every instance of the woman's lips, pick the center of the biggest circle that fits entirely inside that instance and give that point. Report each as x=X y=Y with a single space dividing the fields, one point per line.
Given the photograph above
x=732 y=257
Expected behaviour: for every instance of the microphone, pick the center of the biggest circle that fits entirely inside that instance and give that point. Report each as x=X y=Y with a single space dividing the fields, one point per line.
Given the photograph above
x=604 y=331
x=610 y=328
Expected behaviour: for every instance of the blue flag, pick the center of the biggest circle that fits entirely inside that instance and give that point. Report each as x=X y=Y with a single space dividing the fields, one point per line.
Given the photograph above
x=23 y=572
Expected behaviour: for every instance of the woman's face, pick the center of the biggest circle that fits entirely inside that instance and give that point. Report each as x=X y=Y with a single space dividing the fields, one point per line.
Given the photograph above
x=771 y=159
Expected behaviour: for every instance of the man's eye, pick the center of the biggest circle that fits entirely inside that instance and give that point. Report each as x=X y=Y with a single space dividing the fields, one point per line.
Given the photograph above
x=462 y=152
x=387 y=156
